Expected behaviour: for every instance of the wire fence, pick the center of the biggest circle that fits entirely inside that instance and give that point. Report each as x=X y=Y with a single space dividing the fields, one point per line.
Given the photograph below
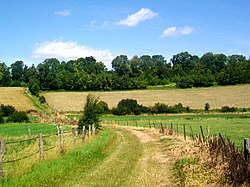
x=59 y=143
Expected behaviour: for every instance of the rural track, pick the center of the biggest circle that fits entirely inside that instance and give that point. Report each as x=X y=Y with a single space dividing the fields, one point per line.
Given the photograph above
x=140 y=159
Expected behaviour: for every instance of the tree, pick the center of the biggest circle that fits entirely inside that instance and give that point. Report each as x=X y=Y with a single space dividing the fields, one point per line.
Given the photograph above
x=17 y=72
x=34 y=86
x=90 y=113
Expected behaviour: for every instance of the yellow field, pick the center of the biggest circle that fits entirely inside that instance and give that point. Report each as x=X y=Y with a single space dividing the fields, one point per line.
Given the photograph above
x=237 y=96
x=14 y=96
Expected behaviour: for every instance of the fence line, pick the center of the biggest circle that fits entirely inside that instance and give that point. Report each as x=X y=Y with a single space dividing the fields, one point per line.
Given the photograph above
x=40 y=144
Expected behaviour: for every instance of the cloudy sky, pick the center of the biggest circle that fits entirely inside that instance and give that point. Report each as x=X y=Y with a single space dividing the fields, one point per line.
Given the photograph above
x=33 y=30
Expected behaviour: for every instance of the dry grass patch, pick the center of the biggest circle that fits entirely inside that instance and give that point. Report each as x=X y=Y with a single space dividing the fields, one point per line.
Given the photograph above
x=14 y=96
x=233 y=96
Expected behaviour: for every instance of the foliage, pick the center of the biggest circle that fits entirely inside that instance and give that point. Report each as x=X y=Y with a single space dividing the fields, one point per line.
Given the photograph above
x=185 y=69
x=228 y=109
x=161 y=108
x=7 y=110
x=42 y=99
x=91 y=113
x=102 y=107
x=1 y=117
x=34 y=87
x=207 y=106
x=127 y=107
x=18 y=117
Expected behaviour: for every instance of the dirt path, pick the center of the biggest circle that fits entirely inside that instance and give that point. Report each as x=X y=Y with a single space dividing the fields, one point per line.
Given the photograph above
x=155 y=167
x=140 y=158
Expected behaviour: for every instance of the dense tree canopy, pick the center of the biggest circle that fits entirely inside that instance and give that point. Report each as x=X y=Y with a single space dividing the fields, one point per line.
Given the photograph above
x=185 y=69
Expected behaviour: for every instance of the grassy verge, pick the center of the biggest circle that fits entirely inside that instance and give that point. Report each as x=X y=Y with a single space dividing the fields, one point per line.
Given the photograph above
x=103 y=157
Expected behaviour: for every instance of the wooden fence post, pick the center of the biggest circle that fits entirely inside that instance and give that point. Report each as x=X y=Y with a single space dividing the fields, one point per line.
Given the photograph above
x=74 y=135
x=184 y=130
x=40 y=140
x=246 y=149
x=93 y=129
x=177 y=129
x=29 y=132
x=83 y=133
x=61 y=140
x=2 y=148
x=89 y=130
x=58 y=129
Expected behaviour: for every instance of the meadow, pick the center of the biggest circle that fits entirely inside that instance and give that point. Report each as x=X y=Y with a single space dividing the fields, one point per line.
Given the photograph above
x=234 y=126
x=195 y=98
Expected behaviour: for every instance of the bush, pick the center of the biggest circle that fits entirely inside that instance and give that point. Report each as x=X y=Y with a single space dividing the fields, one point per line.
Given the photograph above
x=90 y=113
x=7 y=110
x=102 y=107
x=18 y=117
x=42 y=99
x=207 y=106
x=228 y=109
x=161 y=108
x=127 y=107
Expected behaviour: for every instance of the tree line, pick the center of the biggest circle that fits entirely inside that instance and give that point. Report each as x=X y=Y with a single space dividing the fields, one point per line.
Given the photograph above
x=184 y=69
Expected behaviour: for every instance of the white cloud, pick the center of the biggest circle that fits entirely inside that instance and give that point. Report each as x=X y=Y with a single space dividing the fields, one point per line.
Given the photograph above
x=173 y=31
x=136 y=18
x=62 y=13
x=70 y=50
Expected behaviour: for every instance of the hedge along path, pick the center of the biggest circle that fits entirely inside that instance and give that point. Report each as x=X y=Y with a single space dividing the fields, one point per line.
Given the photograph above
x=234 y=96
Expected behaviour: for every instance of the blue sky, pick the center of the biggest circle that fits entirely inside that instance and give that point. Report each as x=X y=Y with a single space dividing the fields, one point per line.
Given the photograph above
x=33 y=30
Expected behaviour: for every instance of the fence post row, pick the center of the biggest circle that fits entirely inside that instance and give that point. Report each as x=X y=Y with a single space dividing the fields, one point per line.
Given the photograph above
x=40 y=138
x=246 y=149
x=2 y=147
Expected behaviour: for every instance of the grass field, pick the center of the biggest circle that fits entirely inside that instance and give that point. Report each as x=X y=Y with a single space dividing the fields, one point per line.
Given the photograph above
x=234 y=96
x=14 y=96
x=235 y=126
x=14 y=130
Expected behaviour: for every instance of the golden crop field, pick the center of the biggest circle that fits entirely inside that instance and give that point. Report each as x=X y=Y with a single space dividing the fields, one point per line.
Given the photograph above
x=237 y=96
x=14 y=96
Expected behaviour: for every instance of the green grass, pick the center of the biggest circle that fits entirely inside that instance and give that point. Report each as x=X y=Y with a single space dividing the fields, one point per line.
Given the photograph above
x=103 y=157
x=17 y=130
x=236 y=126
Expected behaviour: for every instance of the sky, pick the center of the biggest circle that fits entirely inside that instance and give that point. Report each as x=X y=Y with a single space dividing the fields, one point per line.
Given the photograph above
x=33 y=30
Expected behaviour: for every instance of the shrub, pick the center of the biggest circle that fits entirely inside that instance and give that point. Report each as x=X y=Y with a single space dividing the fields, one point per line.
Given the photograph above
x=161 y=108
x=228 y=109
x=90 y=113
x=102 y=107
x=7 y=110
x=207 y=106
x=18 y=117
x=128 y=106
x=42 y=99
